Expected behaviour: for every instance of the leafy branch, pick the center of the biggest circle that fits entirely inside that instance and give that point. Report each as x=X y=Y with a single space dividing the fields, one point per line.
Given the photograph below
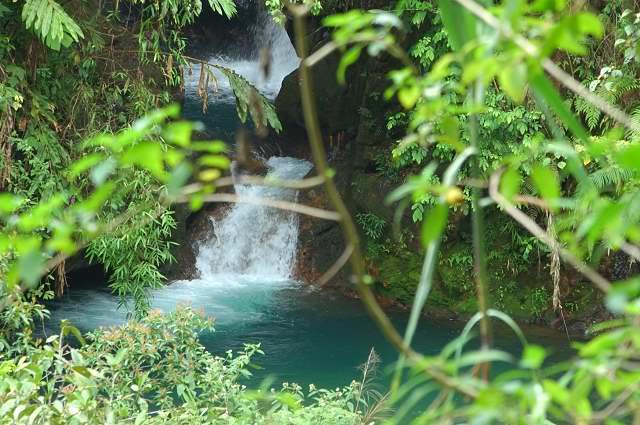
x=51 y=23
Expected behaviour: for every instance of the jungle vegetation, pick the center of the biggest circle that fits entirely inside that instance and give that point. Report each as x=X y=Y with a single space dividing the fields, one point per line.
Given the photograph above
x=526 y=109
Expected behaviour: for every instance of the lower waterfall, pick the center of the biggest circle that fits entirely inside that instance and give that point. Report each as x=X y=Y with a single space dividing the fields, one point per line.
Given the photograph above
x=254 y=240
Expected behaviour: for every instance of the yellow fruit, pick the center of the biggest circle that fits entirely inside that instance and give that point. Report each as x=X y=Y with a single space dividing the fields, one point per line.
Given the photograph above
x=454 y=195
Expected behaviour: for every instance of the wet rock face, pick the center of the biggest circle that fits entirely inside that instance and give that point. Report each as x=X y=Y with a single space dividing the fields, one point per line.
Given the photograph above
x=320 y=242
x=337 y=105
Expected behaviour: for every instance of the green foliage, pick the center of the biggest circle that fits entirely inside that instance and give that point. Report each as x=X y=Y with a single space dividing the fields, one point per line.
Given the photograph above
x=113 y=209
x=224 y=7
x=51 y=23
x=492 y=94
x=132 y=258
x=151 y=371
x=160 y=25
x=52 y=99
x=611 y=84
x=277 y=8
x=249 y=101
x=372 y=225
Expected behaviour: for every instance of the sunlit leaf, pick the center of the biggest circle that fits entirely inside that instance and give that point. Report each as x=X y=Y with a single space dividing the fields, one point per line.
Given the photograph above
x=459 y=23
x=513 y=80
x=546 y=182
x=533 y=356
x=348 y=59
x=510 y=183
x=434 y=223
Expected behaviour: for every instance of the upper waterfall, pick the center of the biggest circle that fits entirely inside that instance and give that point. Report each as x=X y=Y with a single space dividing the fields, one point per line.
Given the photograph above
x=268 y=36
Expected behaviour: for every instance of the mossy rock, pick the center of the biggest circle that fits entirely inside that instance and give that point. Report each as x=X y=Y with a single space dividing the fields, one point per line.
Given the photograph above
x=398 y=275
x=368 y=194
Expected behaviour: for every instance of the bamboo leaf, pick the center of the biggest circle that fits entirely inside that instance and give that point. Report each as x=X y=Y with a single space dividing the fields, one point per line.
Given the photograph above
x=547 y=92
x=460 y=24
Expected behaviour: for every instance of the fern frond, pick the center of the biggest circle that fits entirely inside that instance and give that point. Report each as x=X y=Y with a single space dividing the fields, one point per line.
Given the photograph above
x=224 y=7
x=612 y=89
x=635 y=116
x=609 y=178
x=51 y=23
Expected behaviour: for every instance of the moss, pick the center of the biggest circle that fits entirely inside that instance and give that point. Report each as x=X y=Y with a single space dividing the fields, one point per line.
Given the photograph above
x=398 y=275
x=517 y=286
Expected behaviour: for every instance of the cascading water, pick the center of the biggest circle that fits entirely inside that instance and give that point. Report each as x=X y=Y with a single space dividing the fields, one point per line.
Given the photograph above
x=254 y=240
x=251 y=252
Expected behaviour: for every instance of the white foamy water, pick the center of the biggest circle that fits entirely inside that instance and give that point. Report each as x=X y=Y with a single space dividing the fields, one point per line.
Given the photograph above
x=249 y=256
x=253 y=240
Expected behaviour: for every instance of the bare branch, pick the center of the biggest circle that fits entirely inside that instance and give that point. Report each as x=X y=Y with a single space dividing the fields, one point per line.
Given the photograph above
x=337 y=266
x=271 y=181
x=273 y=203
x=631 y=250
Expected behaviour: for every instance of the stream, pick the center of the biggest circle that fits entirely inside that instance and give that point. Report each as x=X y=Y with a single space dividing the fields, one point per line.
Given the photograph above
x=246 y=264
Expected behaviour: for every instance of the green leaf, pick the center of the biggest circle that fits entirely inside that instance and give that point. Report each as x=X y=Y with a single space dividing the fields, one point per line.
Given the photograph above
x=408 y=96
x=31 y=267
x=533 y=356
x=97 y=199
x=213 y=146
x=434 y=223
x=178 y=133
x=513 y=80
x=217 y=161
x=548 y=93
x=483 y=356
x=460 y=24
x=10 y=203
x=621 y=294
x=84 y=163
x=629 y=157
x=147 y=155
x=67 y=328
x=51 y=23
x=588 y=23
x=348 y=59
x=510 y=183
x=225 y=8
x=41 y=214
x=249 y=101
x=178 y=177
x=546 y=181
x=557 y=392
x=544 y=5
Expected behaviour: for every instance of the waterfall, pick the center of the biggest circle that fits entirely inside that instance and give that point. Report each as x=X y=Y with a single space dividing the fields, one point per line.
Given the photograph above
x=252 y=240
x=255 y=240
x=249 y=257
